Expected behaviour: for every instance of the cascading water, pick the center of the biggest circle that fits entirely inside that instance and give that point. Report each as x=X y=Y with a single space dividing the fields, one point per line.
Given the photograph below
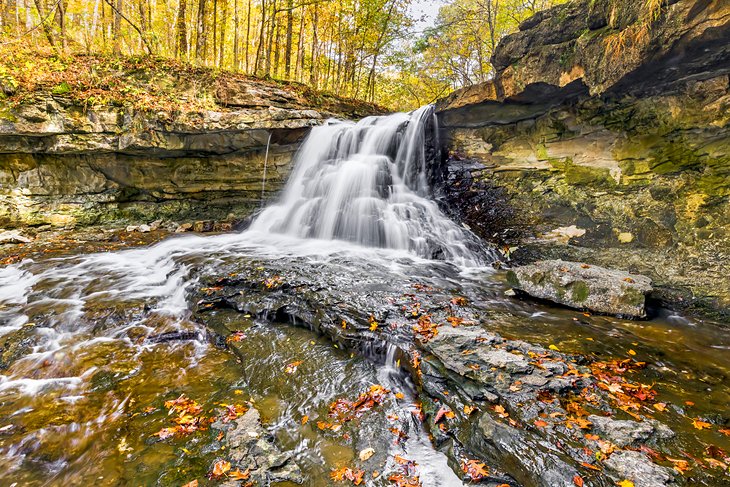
x=357 y=205
x=367 y=183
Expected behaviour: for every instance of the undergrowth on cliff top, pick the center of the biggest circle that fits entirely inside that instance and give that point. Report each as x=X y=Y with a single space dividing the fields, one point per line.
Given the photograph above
x=141 y=82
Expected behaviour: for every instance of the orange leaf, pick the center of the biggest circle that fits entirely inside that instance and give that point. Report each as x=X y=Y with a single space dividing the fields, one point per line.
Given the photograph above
x=192 y=483
x=540 y=423
x=238 y=475
x=578 y=480
x=700 y=424
x=220 y=468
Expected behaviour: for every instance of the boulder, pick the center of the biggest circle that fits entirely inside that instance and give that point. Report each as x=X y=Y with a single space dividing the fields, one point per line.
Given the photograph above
x=13 y=237
x=583 y=286
x=639 y=469
x=629 y=433
x=250 y=448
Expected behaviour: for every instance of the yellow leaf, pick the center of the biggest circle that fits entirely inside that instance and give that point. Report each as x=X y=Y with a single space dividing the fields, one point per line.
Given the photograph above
x=631 y=352
x=626 y=483
x=553 y=347
x=660 y=406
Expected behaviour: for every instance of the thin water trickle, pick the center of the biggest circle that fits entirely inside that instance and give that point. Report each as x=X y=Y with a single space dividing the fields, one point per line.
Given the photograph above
x=266 y=165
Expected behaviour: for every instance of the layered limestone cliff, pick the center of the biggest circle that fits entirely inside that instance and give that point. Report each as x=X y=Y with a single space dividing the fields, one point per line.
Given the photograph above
x=69 y=161
x=624 y=164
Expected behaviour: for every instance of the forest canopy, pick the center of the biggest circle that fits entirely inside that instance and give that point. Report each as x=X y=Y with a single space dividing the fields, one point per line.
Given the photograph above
x=374 y=50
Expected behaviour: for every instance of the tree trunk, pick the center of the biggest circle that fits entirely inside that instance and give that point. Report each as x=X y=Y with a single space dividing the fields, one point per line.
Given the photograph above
x=313 y=66
x=272 y=29
x=201 y=41
x=118 y=27
x=215 y=31
x=260 y=45
x=44 y=22
x=289 y=27
x=236 y=42
x=61 y=20
x=224 y=20
x=181 y=42
x=248 y=32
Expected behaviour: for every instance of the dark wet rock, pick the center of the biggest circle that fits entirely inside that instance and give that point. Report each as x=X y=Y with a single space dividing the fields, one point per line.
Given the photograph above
x=451 y=343
x=583 y=286
x=638 y=468
x=625 y=433
x=249 y=446
x=17 y=344
x=514 y=385
x=519 y=451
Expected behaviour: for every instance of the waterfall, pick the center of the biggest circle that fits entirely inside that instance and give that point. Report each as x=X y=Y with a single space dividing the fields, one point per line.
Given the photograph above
x=367 y=183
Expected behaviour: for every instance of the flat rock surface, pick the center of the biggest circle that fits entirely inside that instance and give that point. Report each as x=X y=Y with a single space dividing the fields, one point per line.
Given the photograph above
x=583 y=286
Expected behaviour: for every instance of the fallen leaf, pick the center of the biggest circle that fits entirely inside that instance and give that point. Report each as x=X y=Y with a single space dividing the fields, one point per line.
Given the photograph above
x=592 y=467
x=238 y=475
x=469 y=409
x=475 y=469
x=499 y=409
x=697 y=423
x=220 y=468
x=626 y=483
x=632 y=352
x=236 y=336
x=305 y=419
x=540 y=423
x=366 y=454
x=553 y=347
x=660 y=406
x=192 y=483
x=444 y=412
x=292 y=367
x=373 y=323
x=345 y=473
x=725 y=432
x=578 y=480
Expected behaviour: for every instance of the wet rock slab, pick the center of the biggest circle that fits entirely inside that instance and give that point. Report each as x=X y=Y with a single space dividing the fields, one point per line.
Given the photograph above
x=583 y=286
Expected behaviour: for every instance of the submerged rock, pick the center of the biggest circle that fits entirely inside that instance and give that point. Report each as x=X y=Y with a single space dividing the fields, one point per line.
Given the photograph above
x=251 y=448
x=583 y=286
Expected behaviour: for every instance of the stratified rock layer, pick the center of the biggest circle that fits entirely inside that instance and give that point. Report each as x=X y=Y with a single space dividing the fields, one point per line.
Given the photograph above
x=570 y=155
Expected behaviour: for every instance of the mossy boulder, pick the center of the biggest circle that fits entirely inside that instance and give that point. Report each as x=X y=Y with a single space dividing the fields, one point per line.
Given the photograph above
x=583 y=286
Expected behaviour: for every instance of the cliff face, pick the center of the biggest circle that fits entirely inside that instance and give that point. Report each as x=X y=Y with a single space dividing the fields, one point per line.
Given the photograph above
x=65 y=161
x=622 y=164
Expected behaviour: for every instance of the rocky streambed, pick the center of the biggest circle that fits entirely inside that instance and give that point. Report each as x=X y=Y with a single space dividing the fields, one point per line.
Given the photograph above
x=340 y=350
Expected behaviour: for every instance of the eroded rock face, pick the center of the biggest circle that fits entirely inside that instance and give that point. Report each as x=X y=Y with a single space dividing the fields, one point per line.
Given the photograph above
x=64 y=163
x=583 y=286
x=623 y=165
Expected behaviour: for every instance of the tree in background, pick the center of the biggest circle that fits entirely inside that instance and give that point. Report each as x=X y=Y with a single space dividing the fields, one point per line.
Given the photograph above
x=358 y=48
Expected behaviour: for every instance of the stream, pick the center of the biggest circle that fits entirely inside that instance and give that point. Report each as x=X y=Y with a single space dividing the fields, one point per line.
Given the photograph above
x=93 y=345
